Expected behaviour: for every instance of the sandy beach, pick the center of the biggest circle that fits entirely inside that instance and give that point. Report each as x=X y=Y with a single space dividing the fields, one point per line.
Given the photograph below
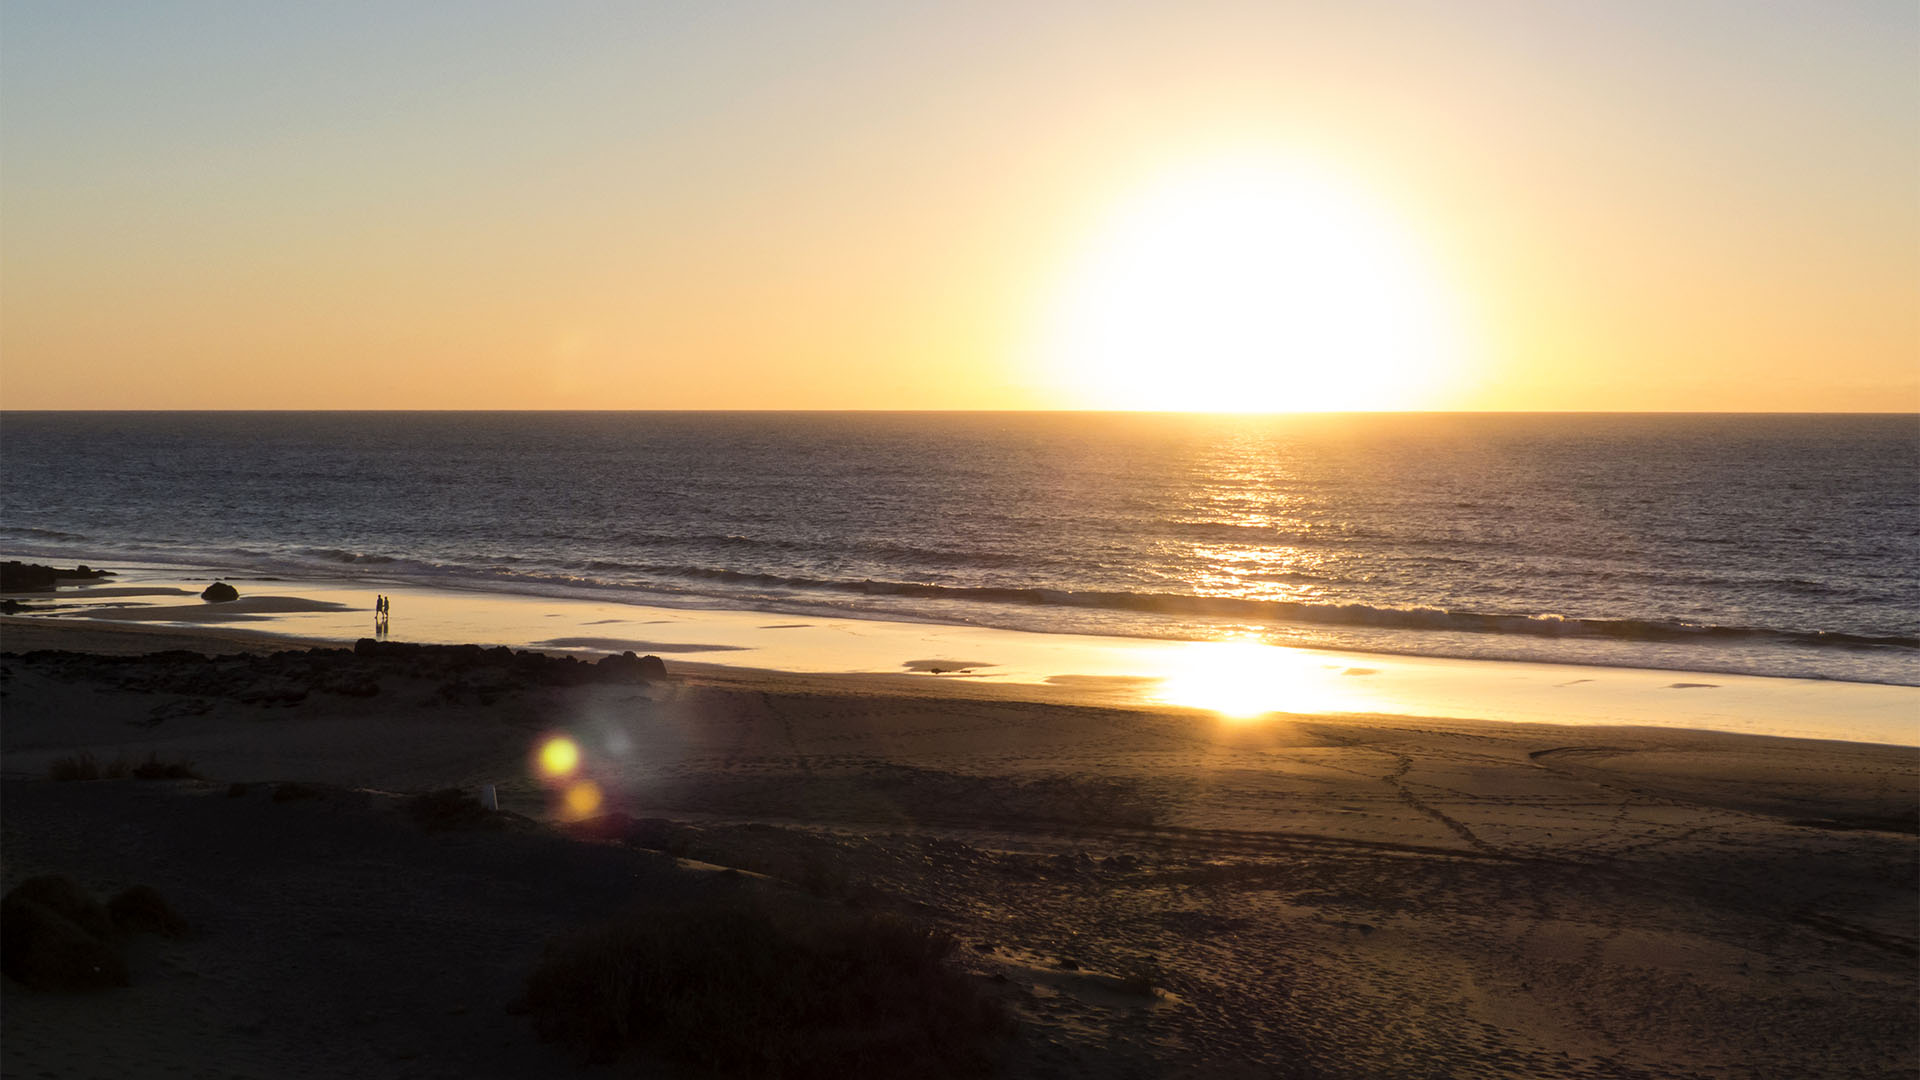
x=1148 y=891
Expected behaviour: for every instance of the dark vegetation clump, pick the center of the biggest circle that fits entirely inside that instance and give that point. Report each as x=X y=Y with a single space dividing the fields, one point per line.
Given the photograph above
x=140 y=909
x=450 y=808
x=1140 y=977
x=155 y=769
x=55 y=936
x=81 y=766
x=739 y=988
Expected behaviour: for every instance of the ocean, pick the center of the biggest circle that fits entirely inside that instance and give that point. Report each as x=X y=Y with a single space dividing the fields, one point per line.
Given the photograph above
x=1756 y=544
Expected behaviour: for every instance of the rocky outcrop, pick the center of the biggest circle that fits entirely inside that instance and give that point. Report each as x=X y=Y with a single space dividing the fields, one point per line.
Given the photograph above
x=464 y=674
x=501 y=664
x=639 y=667
x=219 y=593
x=16 y=576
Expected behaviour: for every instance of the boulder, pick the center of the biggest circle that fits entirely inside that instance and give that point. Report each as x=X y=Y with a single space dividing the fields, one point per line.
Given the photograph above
x=219 y=593
x=629 y=665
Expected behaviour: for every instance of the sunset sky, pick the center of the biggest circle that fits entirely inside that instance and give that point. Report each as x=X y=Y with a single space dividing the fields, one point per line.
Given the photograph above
x=1525 y=205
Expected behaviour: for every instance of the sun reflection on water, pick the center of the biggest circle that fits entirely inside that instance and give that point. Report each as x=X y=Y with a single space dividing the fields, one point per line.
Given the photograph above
x=1244 y=679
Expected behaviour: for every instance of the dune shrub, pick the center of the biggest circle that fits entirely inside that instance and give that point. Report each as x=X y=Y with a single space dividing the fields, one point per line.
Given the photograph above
x=741 y=988
x=63 y=896
x=1140 y=977
x=140 y=909
x=81 y=766
x=155 y=769
x=56 y=936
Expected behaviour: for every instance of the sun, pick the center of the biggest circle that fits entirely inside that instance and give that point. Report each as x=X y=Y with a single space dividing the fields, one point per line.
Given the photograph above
x=1250 y=286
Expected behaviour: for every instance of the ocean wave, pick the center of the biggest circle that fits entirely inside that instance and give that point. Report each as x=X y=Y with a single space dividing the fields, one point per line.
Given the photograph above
x=336 y=555
x=730 y=586
x=725 y=584
x=29 y=533
x=1366 y=615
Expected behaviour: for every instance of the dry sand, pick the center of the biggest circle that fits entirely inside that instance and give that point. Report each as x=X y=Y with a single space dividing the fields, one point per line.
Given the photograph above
x=1344 y=898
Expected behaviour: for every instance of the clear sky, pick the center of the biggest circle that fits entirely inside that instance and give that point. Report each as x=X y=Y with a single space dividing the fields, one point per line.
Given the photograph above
x=1268 y=205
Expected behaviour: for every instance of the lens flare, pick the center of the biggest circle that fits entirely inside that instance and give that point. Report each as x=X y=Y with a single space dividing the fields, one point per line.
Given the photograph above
x=559 y=756
x=583 y=798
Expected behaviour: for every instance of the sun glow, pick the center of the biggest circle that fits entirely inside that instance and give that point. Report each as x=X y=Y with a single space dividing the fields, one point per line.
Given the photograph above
x=1251 y=287
x=1245 y=679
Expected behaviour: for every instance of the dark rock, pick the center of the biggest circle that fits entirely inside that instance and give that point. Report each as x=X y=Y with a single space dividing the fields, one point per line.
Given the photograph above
x=272 y=694
x=349 y=686
x=219 y=593
x=16 y=576
x=531 y=668
x=638 y=667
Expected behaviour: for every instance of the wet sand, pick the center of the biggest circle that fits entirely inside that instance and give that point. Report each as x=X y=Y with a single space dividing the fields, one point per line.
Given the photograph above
x=1313 y=896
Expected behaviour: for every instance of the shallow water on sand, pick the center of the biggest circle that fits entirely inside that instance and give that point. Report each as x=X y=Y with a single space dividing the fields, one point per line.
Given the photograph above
x=1234 y=681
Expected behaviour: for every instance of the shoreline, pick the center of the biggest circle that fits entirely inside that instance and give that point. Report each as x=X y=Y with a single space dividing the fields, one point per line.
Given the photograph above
x=1242 y=679
x=1548 y=642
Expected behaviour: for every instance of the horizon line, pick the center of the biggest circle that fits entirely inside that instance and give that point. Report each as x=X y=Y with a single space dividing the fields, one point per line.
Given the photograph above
x=1034 y=412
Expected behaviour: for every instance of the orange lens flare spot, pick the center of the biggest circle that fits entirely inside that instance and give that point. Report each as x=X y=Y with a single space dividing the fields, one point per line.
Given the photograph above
x=583 y=798
x=559 y=756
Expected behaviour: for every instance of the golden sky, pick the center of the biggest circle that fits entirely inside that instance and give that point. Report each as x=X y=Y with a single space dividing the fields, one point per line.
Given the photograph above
x=1698 y=206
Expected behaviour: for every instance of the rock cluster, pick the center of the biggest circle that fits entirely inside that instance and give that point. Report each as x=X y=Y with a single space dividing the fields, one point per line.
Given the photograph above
x=16 y=576
x=531 y=667
x=466 y=674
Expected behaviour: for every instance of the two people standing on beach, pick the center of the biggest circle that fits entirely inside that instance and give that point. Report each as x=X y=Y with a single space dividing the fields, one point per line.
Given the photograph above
x=381 y=610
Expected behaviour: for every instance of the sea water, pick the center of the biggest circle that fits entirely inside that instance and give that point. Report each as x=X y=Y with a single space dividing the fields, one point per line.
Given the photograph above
x=1769 y=545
